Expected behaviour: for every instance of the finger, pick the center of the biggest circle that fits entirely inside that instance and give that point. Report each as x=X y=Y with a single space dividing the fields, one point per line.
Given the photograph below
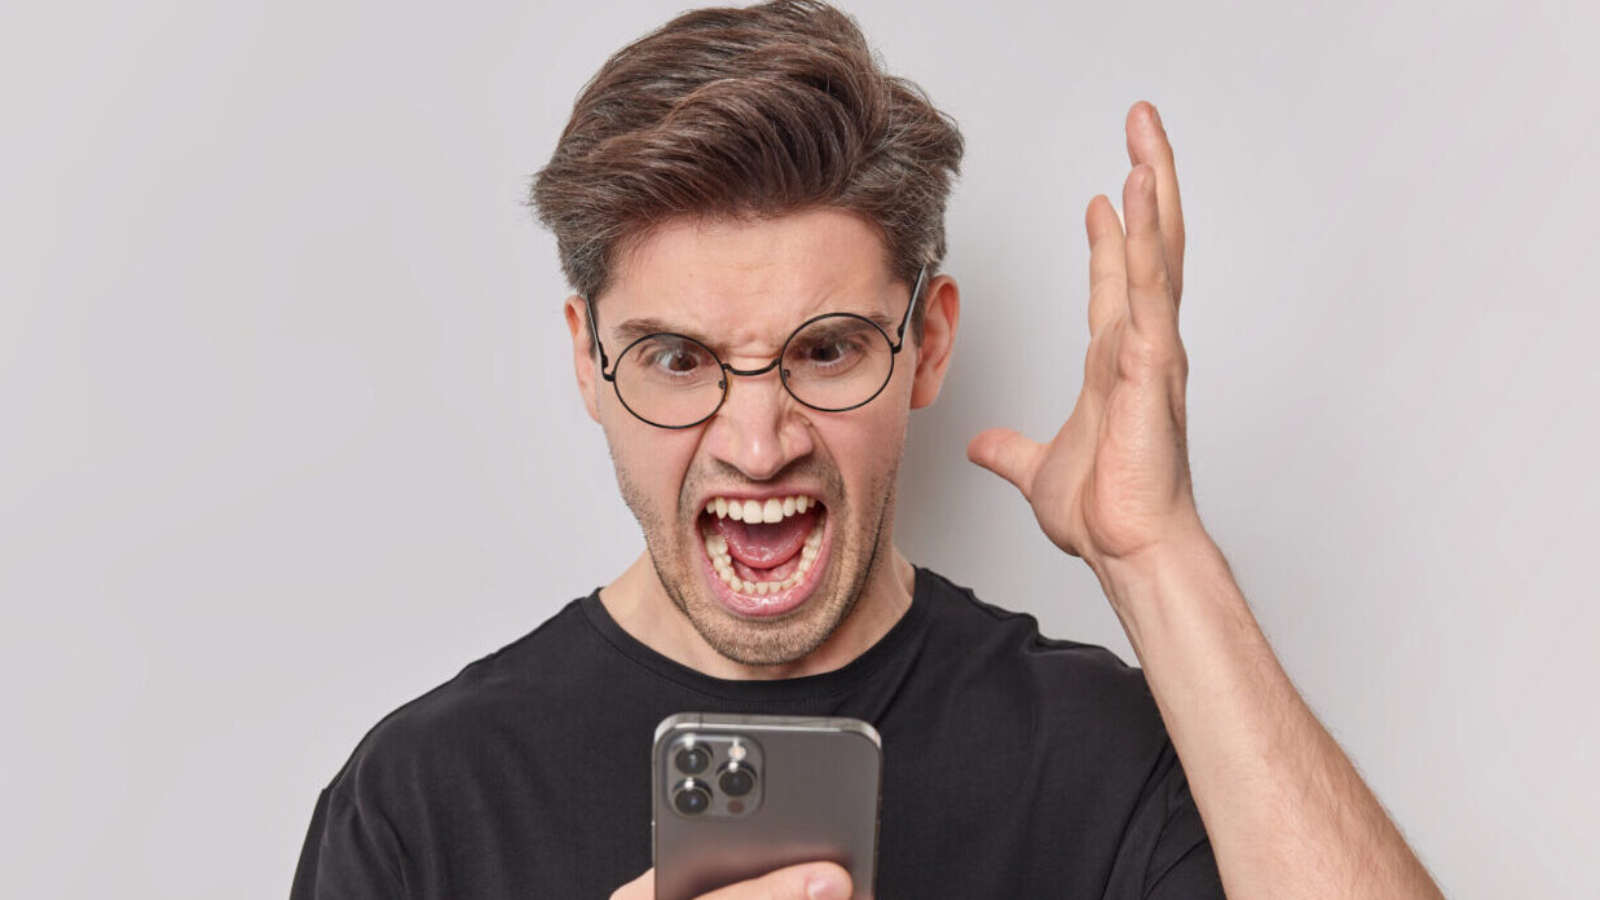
x=1007 y=454
x=1108 y=281
x=807 y=881
x=641 y=888
x=1148 y=143
x=1150 y=305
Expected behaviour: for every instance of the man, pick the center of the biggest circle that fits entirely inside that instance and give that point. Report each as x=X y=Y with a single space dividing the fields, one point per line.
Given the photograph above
x=751 y=214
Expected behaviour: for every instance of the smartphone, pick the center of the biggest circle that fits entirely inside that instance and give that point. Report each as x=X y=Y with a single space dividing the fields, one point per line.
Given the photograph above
x=737 y=796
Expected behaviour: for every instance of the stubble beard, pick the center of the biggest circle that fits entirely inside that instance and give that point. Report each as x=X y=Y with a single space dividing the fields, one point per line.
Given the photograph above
x=852 y=559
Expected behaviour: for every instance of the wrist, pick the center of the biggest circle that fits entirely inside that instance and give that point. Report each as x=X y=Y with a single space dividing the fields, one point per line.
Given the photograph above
x=1152 y=585
x=1184 y=542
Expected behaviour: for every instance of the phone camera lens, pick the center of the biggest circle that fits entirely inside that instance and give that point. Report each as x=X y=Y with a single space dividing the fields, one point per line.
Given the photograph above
x=692 y=759
x=692 y=797
x=737 y=779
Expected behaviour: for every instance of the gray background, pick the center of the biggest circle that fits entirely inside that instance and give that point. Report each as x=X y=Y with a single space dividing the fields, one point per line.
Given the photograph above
x=289 y=431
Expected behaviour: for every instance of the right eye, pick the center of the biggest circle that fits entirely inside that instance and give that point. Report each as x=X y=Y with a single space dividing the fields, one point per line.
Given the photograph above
x=674 y=359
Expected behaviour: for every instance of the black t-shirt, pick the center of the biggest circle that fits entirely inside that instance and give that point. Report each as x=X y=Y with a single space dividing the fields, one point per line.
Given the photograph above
x=1014 y=765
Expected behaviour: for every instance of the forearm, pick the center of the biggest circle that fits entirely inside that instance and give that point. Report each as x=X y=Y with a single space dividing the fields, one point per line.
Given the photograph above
x=1287 y=814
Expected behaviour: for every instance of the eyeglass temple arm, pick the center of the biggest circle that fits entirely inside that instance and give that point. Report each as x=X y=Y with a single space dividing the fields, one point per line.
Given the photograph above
x=594 y=333
x=916 y=292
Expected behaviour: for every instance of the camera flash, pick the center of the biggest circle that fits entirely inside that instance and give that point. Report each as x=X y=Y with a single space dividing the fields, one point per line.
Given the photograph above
x=736 y=752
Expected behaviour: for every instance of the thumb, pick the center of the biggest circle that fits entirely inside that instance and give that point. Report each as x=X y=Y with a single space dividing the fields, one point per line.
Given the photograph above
x=641 y=888
x=806 y=881
x=1008 y=454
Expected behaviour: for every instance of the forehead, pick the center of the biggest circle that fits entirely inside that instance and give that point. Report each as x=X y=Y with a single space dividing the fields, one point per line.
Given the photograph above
x=706 y=273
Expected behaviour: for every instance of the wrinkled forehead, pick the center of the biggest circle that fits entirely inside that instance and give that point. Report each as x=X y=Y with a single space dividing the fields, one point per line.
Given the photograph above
x=755 y=275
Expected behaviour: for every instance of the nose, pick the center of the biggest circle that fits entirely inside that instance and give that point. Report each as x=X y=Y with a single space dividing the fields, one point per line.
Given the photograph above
x=759 y=429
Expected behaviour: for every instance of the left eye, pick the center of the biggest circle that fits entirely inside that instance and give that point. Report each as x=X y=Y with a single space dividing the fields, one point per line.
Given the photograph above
x=827 y=353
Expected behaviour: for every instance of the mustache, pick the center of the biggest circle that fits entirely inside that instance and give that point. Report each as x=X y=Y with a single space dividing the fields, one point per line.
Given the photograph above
x=718 y=474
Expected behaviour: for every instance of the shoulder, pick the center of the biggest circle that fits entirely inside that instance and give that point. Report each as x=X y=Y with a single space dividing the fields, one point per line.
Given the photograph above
x=1065 y=680
x=438 y=730
x=1000 y=630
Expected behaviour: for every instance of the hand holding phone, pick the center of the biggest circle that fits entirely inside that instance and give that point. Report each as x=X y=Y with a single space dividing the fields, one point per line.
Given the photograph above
x=806 y=881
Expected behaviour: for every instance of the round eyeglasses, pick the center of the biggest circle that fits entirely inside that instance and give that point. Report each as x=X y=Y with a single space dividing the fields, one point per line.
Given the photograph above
x=832 y=363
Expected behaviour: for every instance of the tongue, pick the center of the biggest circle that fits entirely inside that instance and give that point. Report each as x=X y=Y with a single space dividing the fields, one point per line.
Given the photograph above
x=766 y=545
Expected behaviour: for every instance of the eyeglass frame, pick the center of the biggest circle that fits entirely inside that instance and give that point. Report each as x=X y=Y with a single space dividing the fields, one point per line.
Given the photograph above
x=894 y=350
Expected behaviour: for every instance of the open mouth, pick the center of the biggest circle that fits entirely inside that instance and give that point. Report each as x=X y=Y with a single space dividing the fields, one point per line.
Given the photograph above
x=764 y=557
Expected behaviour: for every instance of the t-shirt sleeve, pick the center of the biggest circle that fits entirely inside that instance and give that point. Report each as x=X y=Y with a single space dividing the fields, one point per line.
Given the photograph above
x=1165 y=853
x=1193 y=875
x=342 y=858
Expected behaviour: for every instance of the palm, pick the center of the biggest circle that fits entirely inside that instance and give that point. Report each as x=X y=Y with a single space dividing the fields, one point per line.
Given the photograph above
x=1114 y=480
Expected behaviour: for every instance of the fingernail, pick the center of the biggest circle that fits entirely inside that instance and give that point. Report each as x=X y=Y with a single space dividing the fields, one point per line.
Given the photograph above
x=826 y=887
x=1155 y=116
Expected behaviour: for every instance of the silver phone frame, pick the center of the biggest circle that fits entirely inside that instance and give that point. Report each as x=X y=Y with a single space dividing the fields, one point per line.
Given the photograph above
x=754 y=725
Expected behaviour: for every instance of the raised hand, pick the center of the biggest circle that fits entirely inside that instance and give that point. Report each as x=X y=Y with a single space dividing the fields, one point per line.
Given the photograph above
x=1114 y=481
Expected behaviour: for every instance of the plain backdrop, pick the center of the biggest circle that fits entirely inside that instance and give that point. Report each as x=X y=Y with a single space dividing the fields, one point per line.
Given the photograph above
x=288 y=430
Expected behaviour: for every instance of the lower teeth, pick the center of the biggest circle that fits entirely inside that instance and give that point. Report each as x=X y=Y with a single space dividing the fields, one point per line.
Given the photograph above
x=722 y=561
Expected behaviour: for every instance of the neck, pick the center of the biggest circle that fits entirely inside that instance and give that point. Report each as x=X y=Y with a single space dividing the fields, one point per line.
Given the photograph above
x=638 y=603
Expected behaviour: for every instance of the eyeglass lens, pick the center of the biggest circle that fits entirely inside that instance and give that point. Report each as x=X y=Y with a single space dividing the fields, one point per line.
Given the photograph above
x=833 y=363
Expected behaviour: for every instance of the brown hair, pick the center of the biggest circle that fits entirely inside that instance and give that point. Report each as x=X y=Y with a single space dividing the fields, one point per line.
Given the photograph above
x=729 y=113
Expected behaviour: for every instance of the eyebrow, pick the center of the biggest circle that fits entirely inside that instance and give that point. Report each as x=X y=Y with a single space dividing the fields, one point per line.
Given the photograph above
x=631 y=330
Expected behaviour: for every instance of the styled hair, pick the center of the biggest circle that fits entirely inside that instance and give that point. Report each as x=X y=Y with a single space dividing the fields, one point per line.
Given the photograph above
x=742 y=114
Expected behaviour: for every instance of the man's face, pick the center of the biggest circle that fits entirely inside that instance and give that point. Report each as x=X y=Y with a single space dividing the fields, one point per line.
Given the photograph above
x=753 y=590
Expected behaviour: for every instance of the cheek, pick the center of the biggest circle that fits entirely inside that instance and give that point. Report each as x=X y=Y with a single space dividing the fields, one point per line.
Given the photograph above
x=865 y=449
x=650 y=462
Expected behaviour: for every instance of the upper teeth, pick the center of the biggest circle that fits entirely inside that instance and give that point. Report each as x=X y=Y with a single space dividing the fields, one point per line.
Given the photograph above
x=774 y=509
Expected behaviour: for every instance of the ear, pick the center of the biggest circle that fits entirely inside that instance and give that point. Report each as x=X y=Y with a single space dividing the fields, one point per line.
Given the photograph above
x=584 y=358
x=938 y=339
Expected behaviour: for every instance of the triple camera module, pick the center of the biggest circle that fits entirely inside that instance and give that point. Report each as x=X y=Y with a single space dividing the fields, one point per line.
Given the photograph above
x=718 y=775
